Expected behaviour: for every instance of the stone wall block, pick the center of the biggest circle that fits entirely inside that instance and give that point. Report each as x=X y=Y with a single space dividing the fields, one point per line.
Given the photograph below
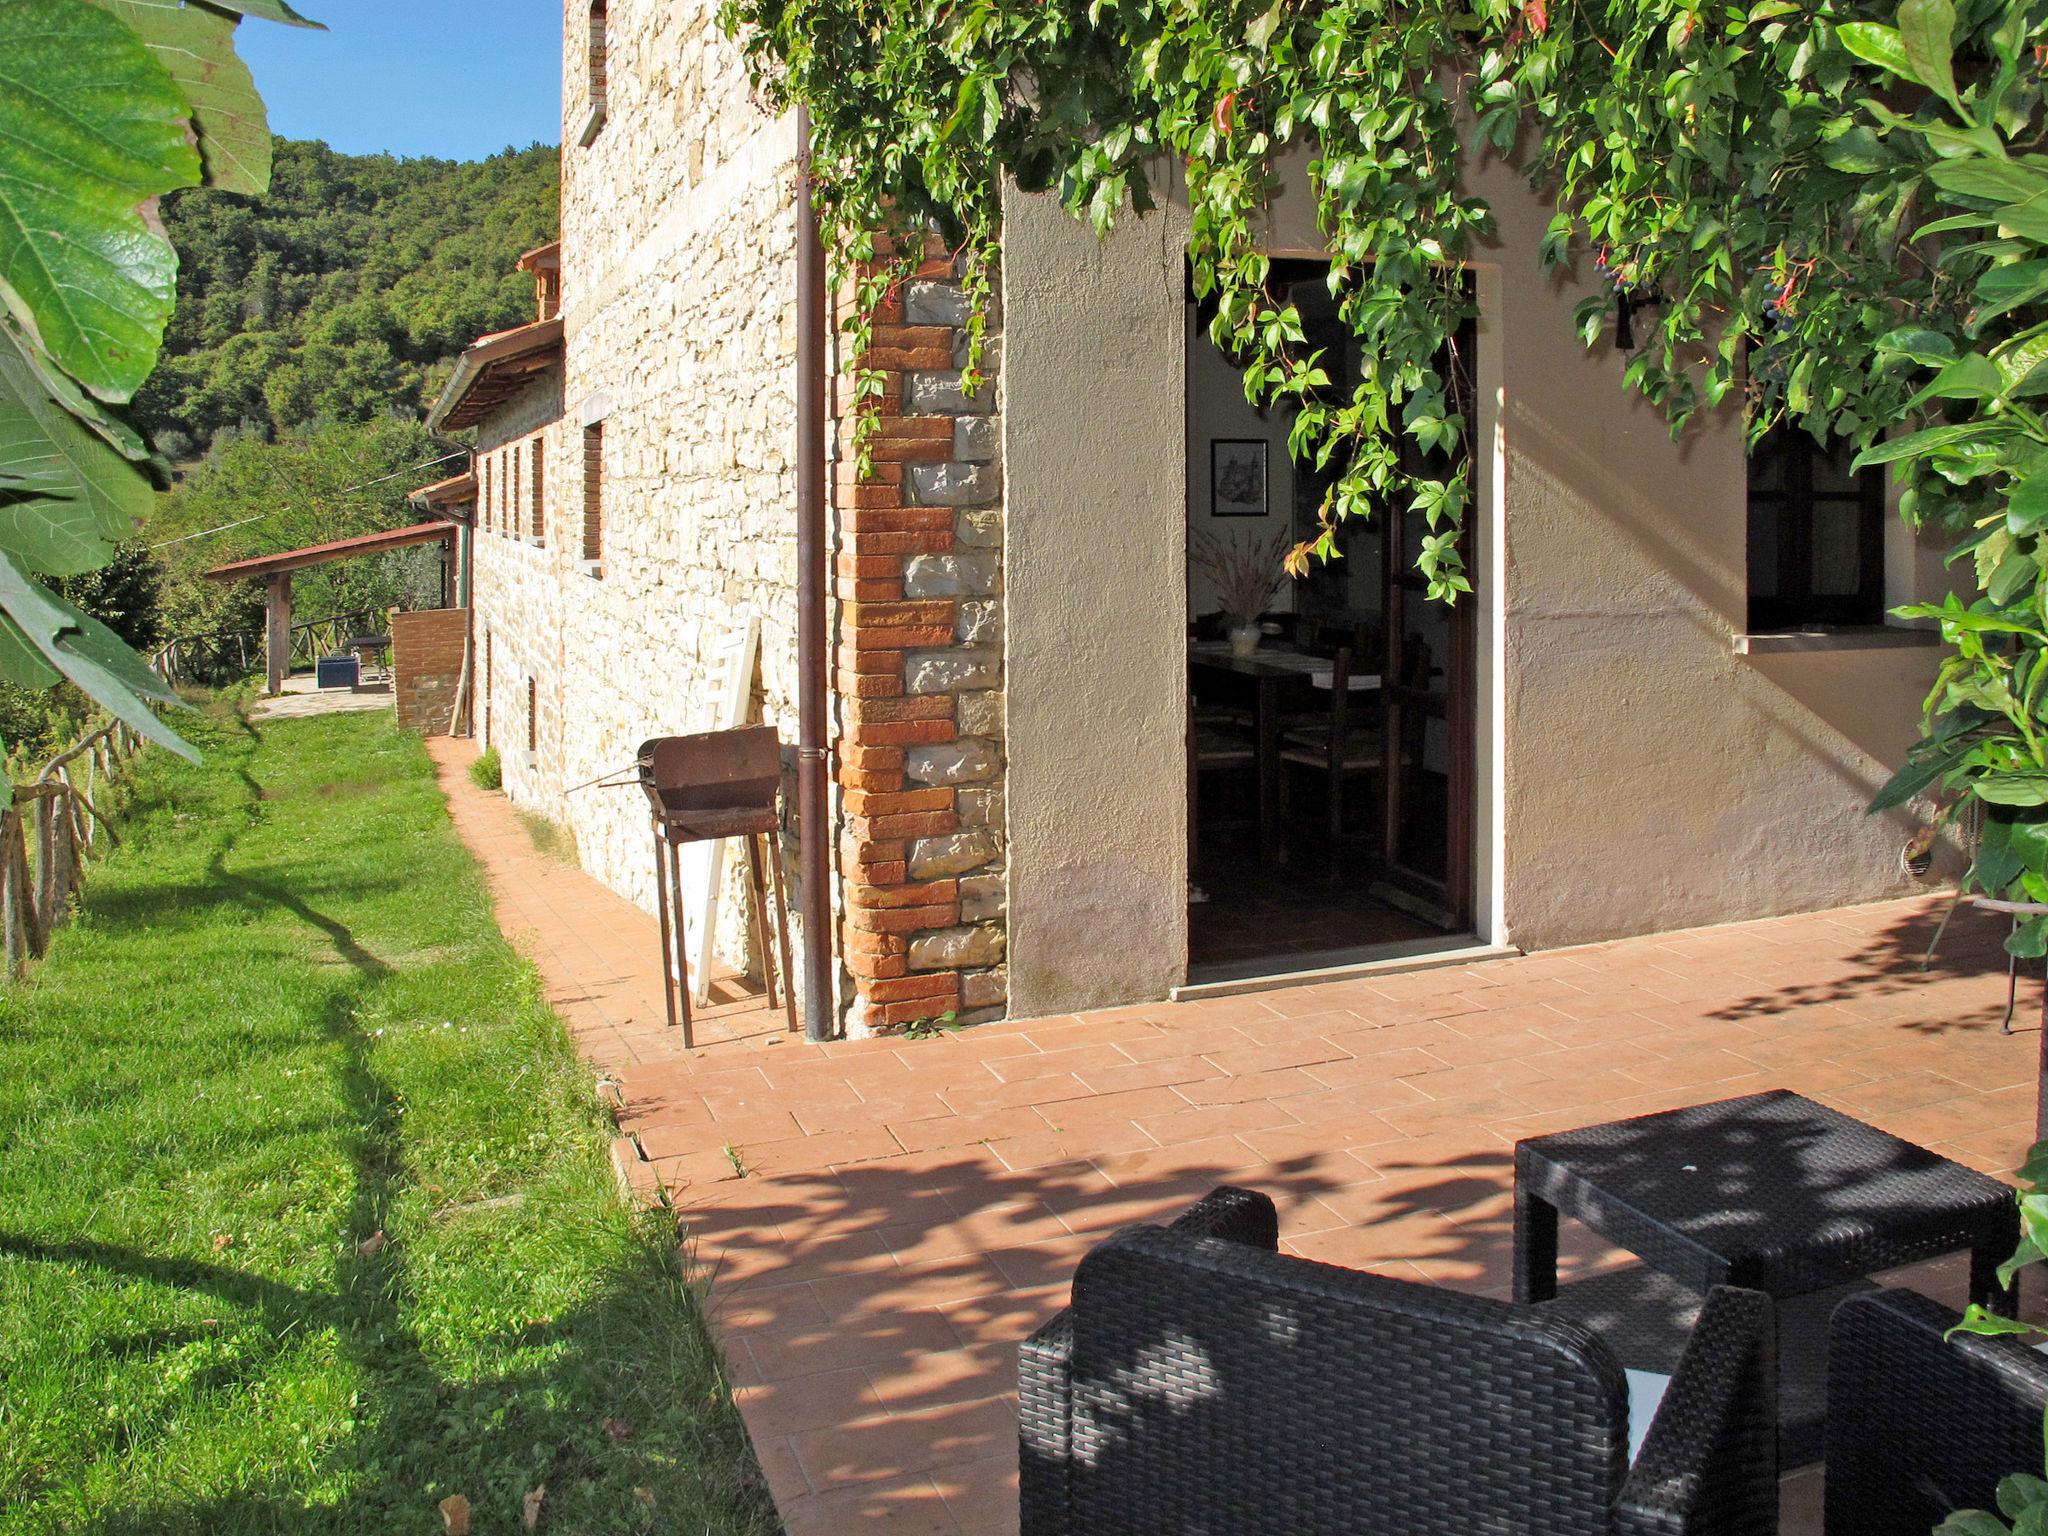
x=981 y=529
x=983 y=898
x=991 y=354
x=951 y=948
x=953 y=762
x=977 y=439
x=968 y=575
x=980 y=807
x=939 y=392
x=925 y=534
x=985 y=989
x=932 y=303
x=980 y=714
x=934 y=858
x=979 y=623
x=951 y=670
x=953 y=484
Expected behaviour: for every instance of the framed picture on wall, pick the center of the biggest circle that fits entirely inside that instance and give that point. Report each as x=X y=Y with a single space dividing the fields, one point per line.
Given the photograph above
x=1237 y=477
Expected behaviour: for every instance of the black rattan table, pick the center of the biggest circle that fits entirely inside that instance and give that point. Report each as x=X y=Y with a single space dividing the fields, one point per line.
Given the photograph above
x=1771 y=1192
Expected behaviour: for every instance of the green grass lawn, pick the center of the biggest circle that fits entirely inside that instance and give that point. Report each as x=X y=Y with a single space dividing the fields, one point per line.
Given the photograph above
x=286 y=1023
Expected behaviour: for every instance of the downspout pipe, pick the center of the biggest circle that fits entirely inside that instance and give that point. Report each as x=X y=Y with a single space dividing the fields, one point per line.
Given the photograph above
x=814 y=833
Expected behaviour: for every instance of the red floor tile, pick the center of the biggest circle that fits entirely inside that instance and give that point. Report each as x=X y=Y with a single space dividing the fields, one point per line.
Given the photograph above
x=904 y=1212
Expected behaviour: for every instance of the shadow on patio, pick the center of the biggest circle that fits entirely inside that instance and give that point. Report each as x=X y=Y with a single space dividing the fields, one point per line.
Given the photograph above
x=884 y=1220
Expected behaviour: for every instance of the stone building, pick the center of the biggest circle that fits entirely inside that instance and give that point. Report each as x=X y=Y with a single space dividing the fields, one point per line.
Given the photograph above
x=1649 y=715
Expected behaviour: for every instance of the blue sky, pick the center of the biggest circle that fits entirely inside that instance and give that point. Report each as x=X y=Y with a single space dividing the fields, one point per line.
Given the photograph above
x=457 y=78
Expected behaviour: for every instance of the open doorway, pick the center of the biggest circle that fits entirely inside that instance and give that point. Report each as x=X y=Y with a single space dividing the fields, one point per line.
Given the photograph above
x=1331 y=742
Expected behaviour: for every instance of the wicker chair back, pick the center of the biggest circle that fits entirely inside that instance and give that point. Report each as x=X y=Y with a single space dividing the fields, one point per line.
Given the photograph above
x=1267 y=1393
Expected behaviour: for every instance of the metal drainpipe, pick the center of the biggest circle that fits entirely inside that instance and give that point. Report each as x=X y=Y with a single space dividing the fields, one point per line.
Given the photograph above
x=813 y=832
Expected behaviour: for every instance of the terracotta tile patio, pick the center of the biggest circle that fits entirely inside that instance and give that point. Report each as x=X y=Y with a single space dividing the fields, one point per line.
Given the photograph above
x=883 y=1220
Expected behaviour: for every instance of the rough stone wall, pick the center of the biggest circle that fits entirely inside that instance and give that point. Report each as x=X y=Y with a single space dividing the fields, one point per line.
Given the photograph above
x=919 y=668
x=519 y=592
x=426 y=667
x=678 y=295
x=678 y=306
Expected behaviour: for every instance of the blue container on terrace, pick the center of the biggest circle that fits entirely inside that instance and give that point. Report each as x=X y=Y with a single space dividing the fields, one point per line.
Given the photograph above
x=336 y=672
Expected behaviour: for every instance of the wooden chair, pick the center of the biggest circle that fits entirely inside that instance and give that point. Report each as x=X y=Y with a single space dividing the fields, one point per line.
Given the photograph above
x=1336 y=746
x=1218 y=741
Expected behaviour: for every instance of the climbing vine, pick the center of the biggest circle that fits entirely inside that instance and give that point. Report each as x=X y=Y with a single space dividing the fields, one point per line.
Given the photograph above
x=1721 y=172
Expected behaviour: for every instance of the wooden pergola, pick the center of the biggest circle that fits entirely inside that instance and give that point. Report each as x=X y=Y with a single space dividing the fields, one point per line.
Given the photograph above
x=275 y=572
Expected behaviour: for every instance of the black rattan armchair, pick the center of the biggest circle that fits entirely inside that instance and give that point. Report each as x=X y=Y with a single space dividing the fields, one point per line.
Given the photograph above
x=1921 y=1425
x=1203 y=1382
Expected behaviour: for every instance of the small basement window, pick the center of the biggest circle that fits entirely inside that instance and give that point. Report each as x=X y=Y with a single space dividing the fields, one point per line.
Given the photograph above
x=1816 y=535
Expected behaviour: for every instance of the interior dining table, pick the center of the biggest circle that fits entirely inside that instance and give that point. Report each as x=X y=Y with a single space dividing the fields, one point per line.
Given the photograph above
x=1272 y=684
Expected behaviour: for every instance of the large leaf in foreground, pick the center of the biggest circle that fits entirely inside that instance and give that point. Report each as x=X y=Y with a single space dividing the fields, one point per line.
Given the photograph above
x=62 y=388
x=88 y=496
x=87 y=652
x=91 y=127
x=197 y=47
x=265 y=10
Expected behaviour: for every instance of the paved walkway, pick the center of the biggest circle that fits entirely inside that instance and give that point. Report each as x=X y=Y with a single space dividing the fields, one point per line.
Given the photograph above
x=885 y=1219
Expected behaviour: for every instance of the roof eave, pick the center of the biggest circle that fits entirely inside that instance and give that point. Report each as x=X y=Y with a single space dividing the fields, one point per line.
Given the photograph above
x=475 y=364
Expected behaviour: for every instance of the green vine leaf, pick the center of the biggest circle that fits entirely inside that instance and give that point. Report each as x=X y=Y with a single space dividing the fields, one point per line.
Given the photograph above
x=2020 y=189
x=1927 y=32
x=2016 y=789
x=91 y=127
x=1260 y=33
x=2007 y=288
x=1879 y=45
x=22 y=665
x=1981 y=1320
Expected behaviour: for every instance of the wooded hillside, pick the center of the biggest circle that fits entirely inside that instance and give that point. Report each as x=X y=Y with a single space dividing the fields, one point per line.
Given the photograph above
x=343 y=293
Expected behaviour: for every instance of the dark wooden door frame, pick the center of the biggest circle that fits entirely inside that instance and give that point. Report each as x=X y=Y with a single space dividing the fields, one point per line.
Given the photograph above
x=1404 y=706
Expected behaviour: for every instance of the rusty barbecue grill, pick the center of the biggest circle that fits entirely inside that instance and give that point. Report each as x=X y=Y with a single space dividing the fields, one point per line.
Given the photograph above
x=705 y=787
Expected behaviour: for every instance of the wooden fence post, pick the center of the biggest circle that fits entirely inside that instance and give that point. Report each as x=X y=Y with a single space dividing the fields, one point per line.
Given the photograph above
x=24 y=887
x=16 y=945
x=35 y=897
x=64 y=865
x=46 y=861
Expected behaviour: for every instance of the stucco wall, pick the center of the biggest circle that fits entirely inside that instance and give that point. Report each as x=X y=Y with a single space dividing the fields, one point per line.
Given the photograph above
x=1635 y=772
x=1093 y=381
x=1654 y=777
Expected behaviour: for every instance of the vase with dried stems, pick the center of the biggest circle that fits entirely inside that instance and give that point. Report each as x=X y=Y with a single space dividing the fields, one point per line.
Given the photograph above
x=1246 y=572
